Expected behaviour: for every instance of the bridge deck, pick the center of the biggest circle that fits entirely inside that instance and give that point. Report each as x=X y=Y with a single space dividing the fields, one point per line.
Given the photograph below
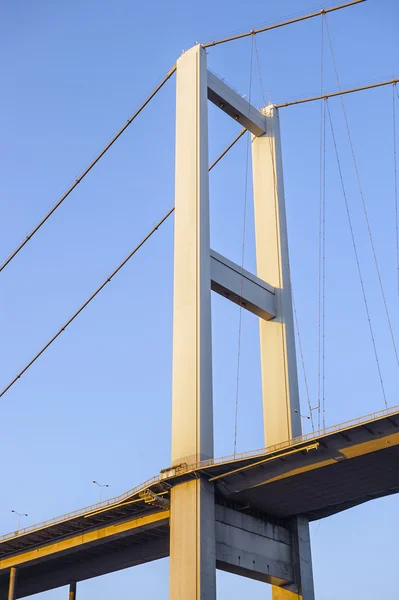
x=316 y=476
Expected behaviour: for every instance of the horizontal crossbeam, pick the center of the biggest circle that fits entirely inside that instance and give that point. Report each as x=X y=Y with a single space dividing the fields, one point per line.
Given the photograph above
x=235 y=105
x=241 y=287
x=253 y=548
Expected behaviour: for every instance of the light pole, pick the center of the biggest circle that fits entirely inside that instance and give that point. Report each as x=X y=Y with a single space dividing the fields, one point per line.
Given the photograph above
x=302 y=416
x=101 y=487
x=19 y=517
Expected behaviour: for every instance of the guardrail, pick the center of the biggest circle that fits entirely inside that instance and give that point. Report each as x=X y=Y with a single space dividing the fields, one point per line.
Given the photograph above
x=168 y=473
x=306 y=437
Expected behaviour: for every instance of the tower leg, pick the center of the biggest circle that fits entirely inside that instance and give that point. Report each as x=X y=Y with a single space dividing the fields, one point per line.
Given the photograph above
x=192 y=542
x=12 y=583
x=192 y=523
x=281 y=408
x=72 y=590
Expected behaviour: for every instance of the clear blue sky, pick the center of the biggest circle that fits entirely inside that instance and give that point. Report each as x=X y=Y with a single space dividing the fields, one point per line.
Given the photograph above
x=97 y=405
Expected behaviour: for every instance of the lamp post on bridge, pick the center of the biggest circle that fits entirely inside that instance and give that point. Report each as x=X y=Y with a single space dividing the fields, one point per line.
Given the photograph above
x=19 y=515
x=302 y=416
x=101 y=487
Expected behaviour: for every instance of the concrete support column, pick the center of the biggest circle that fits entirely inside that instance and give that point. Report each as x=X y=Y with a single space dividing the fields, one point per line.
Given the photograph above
x=281 y=414
x=281 y=409
x=12 y=583
x=192 y=411
x=302 y=558
x=72 y=590
x=192 y=542
x=303 y=587
x=192 y=533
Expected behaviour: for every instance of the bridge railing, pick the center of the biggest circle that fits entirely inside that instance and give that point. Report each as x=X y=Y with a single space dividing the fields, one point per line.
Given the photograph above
x=303 y=438
x=80 y=511
x=173 y=471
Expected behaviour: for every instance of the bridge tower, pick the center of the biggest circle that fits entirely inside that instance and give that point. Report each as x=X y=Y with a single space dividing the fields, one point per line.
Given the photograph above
x=197 y=544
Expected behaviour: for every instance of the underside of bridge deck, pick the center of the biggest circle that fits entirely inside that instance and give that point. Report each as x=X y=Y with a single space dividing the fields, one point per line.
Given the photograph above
x=256 y=497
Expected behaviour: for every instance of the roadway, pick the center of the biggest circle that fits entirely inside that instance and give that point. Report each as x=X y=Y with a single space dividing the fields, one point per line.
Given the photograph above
x=316 y=476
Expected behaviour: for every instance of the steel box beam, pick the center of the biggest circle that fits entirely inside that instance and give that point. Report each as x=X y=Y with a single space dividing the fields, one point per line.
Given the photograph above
x=240 y=286
x=235 y=106
x=253 y=548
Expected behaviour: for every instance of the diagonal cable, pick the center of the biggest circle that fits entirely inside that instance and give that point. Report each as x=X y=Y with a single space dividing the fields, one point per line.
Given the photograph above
x=88 y=169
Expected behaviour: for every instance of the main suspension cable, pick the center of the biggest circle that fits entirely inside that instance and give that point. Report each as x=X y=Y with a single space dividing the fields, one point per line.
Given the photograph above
x=87 y=302
x=144 y=104
x=243 y=254
x=281 y=24
x=324 y=96
x=253 y=32
x=363 y=200
x=357 y=257
x=88 y=169
x=107 y=280
x=229 y=147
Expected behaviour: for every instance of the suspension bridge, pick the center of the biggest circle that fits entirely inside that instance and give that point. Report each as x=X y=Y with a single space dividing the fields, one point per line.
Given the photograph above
x=247 y=513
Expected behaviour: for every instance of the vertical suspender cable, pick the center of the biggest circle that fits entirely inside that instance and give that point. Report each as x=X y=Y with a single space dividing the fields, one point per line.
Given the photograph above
x=363 y=202
x=357 y=257
x=395 y=183
x=320 y=352
x=243 y=255
x=323 y=285
x=302 y=362
x=293 y=302
x=260 y=72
